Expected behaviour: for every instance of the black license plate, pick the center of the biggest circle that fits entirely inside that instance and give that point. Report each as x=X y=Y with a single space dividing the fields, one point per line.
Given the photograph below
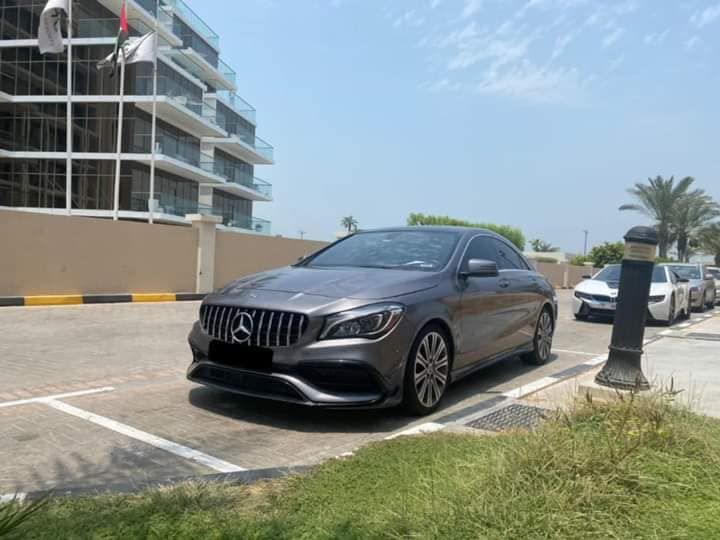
x=241 y=356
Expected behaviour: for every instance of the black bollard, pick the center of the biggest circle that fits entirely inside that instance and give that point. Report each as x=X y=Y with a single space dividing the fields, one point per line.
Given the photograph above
x=623 y=370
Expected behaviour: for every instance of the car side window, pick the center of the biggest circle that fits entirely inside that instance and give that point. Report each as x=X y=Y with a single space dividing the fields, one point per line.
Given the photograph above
x=673 y=277
x=509 y=259
x=481 y=247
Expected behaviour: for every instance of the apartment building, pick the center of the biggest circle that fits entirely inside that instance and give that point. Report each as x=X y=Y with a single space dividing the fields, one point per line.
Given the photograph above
x=206 y=143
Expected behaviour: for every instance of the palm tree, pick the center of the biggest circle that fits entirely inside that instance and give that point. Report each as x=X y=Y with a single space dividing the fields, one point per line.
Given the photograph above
x=692 y=214
x=540 y=246
x=657 y=200
x=350 y=223
x=709 y=241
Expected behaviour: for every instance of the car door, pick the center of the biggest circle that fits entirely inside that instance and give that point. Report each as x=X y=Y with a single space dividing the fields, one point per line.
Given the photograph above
x=679 y=291
x=522 y=297
x=481 y=303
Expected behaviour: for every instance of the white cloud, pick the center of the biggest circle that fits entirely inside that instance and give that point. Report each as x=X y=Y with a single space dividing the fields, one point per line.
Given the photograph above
x=691 y=43
x=409 y=18
x=612 y=37
x=471 y=7
x=656 y=38
x=706 y=16
x=561 y=44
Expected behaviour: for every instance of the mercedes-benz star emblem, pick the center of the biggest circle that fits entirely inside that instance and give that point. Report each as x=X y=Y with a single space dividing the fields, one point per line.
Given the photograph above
x=241 y=327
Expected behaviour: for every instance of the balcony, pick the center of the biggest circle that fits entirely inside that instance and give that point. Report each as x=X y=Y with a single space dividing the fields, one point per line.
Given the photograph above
x=242 y=223
x=192 y=19
x=221 y=76
x=167 y=204
x=144 y=10
x=250 y=188
x=249 y=148
x=107 y=28
x=236 y=103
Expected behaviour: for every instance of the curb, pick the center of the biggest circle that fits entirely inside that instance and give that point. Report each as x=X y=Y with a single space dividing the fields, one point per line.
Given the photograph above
x=74 y=299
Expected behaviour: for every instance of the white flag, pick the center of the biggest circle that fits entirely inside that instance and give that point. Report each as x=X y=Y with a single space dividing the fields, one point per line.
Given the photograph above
x=50 y=39
x=135 y=49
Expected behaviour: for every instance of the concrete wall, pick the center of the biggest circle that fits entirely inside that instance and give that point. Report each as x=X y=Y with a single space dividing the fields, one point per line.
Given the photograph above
x=238 y=255
x=556 y=273
x=50 y=254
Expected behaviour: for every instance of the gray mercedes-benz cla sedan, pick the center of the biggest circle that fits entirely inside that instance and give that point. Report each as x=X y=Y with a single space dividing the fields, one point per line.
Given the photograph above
x=376 y=319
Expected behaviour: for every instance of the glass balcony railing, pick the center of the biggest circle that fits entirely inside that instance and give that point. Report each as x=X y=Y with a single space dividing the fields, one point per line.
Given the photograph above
x=167 y=87
x=226 y=71
x=194 y=20
x=183 y=149
x=231 y=175
x=247 y=223
x=260 y=146
x=164 y=203
x=238 y=104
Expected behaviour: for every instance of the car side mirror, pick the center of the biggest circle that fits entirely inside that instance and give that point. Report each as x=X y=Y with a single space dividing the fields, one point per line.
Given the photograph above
x=480 y=268
x=587 y=276
x=683 y=280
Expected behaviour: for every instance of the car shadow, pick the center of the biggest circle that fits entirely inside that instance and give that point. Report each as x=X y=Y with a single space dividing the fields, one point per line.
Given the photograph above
x=300 y=418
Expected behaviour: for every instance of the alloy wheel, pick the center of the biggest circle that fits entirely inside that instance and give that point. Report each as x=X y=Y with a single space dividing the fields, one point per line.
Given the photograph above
x=544 y=336
x=431 y=369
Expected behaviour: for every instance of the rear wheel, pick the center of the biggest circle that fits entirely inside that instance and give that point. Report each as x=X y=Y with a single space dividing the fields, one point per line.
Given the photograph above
x=427 y=373
x=542 y=342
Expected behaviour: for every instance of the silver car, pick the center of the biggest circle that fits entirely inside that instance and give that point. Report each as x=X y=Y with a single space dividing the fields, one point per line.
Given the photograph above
x=702 y=283
x=715 y=271
x=376 y=319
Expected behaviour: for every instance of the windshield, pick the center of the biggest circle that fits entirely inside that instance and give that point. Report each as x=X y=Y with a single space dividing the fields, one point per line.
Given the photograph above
x=686 y=272
x=612 y=274
x=715 y=272
x=403 y=250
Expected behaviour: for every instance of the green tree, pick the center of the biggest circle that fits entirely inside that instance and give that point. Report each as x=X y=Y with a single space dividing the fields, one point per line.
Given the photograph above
x=349 y=223
x=607 y=253
x=513 y=234
x=579 y=260
x=692 y=214
x=709 y=241
x=657 y=199
x=542 y=247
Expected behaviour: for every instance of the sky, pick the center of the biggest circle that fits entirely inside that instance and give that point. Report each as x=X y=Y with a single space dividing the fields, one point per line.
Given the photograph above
x=533 y=113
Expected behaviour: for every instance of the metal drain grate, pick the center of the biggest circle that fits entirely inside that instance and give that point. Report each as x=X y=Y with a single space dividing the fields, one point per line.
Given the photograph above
x=513 y=416
x=701 y=335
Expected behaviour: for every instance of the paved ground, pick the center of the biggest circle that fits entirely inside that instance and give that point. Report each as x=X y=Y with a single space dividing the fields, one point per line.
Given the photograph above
x=131 y=417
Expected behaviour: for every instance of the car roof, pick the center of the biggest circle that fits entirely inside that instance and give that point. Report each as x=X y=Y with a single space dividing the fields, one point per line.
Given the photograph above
x=437 y=228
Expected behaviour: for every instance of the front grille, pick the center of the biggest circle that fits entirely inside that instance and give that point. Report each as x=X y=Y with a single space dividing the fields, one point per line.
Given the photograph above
x=269 y=328
x=603 y=298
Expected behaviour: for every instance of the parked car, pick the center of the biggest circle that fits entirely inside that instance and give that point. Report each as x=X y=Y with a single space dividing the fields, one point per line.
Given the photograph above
x=702 y=283
x=715 y=271
x=376 y=319
x=669 y=295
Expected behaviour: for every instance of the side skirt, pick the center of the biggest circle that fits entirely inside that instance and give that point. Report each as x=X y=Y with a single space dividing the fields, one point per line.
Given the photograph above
x=487 y=362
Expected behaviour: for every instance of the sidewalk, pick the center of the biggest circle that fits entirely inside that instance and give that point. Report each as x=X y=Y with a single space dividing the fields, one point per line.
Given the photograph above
x=687 y=358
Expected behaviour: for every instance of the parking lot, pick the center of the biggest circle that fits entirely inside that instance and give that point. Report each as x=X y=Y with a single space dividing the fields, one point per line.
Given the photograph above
x=96 y=396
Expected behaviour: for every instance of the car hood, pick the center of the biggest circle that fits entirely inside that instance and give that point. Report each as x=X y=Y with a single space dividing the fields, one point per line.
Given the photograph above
x=354 y=283
x=595 y=286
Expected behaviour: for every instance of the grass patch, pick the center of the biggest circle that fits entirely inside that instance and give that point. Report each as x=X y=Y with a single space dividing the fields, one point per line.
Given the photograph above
x=634 y=469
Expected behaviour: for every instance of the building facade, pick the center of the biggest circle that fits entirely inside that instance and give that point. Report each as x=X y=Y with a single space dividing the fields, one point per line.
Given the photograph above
x=206 y=147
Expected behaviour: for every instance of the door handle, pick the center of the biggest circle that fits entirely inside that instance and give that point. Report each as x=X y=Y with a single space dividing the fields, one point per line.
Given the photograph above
x=504 y=283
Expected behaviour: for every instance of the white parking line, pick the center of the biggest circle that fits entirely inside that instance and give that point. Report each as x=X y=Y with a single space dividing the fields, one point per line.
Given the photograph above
x=531 y=387
x=43 y=399
x=596 y=361
x=575 y=352
x=158 y=442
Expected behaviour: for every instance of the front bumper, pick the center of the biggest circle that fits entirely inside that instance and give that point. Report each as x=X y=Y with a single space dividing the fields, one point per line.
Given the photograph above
x=658 y=311
x=343 y=373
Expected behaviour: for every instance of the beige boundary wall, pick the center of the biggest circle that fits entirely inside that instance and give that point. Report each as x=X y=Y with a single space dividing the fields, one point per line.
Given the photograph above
x=49 y=254
x=563 y=275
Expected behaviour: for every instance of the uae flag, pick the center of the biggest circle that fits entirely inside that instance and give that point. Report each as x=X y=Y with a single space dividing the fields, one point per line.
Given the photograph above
x=134 y=49
x=121 y=38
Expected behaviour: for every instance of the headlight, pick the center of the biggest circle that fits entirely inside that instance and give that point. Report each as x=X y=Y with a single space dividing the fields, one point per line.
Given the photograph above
x=366 y=322
x=583 y=295
x=656 y=299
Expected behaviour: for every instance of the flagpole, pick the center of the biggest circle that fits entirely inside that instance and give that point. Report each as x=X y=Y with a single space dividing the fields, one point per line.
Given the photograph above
x=151 y=196
x=116 y=202
x=68 y=127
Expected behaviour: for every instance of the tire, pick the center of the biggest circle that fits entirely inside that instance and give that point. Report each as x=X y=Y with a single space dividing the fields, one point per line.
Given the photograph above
x=581 y=317
x=542 y=341
x=671 y=312
x=711 y=303
x=427 y=373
